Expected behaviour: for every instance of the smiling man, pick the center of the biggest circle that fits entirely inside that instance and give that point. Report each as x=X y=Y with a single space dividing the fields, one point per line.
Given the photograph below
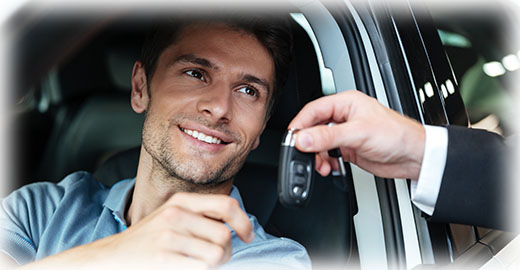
x=207 y=88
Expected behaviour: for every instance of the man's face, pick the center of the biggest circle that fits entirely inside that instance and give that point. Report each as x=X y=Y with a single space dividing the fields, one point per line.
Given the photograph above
x=209 y=97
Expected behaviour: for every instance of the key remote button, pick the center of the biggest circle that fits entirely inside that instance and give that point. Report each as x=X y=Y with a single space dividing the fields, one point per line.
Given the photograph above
x=297 y=191
x=299 y=168
x=299 y=180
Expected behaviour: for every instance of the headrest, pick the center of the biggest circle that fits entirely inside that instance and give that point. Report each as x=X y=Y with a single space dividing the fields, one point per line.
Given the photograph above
x=104 y=65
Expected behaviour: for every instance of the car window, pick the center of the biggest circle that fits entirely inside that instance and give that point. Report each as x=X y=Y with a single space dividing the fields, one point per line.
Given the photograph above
x=484 y=60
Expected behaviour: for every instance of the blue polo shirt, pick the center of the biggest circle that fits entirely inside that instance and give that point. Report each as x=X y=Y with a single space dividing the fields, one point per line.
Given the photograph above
x=42 y=219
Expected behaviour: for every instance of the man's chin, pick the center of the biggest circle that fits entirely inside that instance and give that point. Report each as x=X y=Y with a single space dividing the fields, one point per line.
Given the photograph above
x=205 y=182
x=200 y=171
x=199 y=177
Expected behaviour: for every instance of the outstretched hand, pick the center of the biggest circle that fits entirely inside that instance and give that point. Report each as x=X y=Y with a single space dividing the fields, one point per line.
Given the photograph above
x=368 y=134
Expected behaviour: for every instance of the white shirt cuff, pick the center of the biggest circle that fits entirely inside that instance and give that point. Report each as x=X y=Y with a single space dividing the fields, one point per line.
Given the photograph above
x=426 y=189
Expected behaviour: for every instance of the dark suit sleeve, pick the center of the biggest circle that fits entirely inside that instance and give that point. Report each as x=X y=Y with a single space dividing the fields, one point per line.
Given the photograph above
x=473 y=189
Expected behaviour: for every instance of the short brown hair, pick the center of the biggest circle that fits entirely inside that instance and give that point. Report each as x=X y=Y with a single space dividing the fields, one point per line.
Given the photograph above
x=272 y=31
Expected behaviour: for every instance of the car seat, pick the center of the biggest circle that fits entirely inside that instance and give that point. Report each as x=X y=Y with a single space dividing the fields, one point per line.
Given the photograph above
x=93 y=118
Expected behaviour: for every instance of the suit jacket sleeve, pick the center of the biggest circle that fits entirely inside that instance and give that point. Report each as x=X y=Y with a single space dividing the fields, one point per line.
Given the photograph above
x=474 y=183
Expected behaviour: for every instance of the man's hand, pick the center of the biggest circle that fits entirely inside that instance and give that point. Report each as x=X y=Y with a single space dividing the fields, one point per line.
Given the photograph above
x=368 y=134
x=187 y=232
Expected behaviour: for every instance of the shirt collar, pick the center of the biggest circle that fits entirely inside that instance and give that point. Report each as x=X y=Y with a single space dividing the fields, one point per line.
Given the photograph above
x=118 y=198
x=121 y=192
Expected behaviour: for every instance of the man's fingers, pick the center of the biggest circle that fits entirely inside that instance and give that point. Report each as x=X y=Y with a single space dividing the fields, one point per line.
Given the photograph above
x=190 y=223
x=199 y=249
x=218 y=207
x=322 y=165
x=323 y=137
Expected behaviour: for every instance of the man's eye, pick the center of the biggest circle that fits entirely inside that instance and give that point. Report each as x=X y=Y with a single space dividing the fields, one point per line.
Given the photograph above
x=195 y=74
x=248 y=91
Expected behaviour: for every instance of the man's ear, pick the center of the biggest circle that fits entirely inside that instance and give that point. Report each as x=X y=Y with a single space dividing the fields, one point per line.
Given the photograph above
x=139 y=96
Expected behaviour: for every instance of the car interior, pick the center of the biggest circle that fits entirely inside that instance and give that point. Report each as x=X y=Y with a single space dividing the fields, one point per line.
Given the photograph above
x=73 y=113
x=89 y=125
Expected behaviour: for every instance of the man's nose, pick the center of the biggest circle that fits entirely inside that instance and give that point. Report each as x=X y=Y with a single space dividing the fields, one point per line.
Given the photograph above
x=216 y=103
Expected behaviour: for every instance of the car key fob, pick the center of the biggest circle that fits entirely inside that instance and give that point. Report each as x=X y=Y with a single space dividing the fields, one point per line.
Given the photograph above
x=295 y=172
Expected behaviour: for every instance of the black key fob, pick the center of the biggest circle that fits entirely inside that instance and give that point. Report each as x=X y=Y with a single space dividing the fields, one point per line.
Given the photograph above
x=295 y=173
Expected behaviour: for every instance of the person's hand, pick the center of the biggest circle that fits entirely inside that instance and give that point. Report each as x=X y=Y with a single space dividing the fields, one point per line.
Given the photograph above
x=187 y=232
x=368 y=134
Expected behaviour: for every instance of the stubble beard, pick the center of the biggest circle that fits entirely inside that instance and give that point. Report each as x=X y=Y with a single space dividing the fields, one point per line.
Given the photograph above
x=188 y=171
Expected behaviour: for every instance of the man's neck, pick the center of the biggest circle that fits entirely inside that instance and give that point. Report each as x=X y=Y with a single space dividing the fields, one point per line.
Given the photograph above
x=154 y=186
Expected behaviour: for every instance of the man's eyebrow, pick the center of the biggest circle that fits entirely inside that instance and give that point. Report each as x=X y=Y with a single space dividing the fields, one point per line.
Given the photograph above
x=252 y=79
x=193 y=59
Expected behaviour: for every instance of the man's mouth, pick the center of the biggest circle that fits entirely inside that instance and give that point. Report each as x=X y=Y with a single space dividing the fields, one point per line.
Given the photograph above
x=202 y=137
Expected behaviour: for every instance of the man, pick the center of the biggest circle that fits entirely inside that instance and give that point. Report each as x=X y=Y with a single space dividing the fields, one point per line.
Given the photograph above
x=458 y=174
x=206 y=87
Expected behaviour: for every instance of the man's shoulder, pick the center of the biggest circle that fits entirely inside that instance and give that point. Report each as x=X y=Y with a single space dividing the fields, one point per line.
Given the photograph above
x=71 y=182
x=40 y=219
x=48 y=195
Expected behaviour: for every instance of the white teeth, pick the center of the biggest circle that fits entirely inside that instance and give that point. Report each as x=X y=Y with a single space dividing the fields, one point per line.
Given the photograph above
x=201 y=136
